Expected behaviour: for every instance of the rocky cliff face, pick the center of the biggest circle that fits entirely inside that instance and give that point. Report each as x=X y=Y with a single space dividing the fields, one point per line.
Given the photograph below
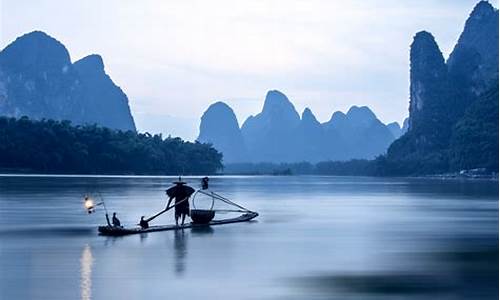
x=441 y=93
x=428 y=79
x=473 y=64
x=219 y=127
x=429 y=93
x=38 y=80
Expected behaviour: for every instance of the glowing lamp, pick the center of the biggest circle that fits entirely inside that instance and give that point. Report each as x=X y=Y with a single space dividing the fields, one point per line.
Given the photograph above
x=89 y=204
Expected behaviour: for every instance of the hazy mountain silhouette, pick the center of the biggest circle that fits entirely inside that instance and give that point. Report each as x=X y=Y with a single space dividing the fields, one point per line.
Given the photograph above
x=395 y=129
x=219 y=127
x=443 y=93
x=311 y=139
x=105 y=103
x=358 y=133
x=38 y=80
x=270 y=135
x=278 y=134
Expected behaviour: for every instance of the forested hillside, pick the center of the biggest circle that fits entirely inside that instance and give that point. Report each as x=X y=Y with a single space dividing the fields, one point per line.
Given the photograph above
x=474 y=143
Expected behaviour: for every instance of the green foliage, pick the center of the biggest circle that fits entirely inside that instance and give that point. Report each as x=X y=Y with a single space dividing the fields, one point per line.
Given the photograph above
x=405 y=157
x=340 y=168
x=269 y=168
x=471 y=143
x=50 y=146
x=474 y=143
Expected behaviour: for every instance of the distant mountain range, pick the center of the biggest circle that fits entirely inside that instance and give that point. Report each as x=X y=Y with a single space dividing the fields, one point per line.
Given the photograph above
x=452 y=124
x=38 y=80
x=279 y=134
x=453 y=120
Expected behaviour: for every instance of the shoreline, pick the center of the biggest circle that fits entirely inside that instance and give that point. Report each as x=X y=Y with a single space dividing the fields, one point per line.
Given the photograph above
x=451 y=176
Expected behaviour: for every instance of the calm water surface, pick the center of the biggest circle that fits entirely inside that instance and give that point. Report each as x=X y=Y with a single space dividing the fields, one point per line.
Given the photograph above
x=315 y=238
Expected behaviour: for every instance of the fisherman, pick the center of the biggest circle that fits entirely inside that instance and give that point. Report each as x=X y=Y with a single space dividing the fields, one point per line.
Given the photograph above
x=143 y=223
x=181 y=192
x=116 y=221
x=204 y=183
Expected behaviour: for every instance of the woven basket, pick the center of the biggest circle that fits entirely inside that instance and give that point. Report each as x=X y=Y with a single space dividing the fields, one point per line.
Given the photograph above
x=202 y=216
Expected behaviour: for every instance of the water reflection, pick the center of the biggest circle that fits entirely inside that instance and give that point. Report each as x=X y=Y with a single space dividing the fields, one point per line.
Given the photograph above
x=143 y=236
x=374 y=285
x=180 y=249
x=202 y=230
x=455 y=259
x=110 y=241
x=460 y=272
x=86 y=262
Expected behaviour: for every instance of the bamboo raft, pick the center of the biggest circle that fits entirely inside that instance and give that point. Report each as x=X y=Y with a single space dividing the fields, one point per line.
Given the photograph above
x=120 y=231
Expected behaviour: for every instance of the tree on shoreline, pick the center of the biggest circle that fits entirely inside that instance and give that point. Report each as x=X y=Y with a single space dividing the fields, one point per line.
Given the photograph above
x=50 y=146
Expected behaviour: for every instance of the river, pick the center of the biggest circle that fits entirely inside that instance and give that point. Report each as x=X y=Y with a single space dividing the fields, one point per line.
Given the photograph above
x=315 y=238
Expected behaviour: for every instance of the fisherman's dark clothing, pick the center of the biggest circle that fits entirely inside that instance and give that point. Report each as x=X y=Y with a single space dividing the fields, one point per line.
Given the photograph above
x=180 y=192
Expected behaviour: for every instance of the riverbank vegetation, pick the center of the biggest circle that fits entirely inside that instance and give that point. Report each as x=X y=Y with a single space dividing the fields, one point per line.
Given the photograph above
x=357 y=167
x=49 y=146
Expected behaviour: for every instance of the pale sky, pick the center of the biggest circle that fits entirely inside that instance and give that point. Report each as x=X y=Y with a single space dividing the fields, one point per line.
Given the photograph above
x=174 y=58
